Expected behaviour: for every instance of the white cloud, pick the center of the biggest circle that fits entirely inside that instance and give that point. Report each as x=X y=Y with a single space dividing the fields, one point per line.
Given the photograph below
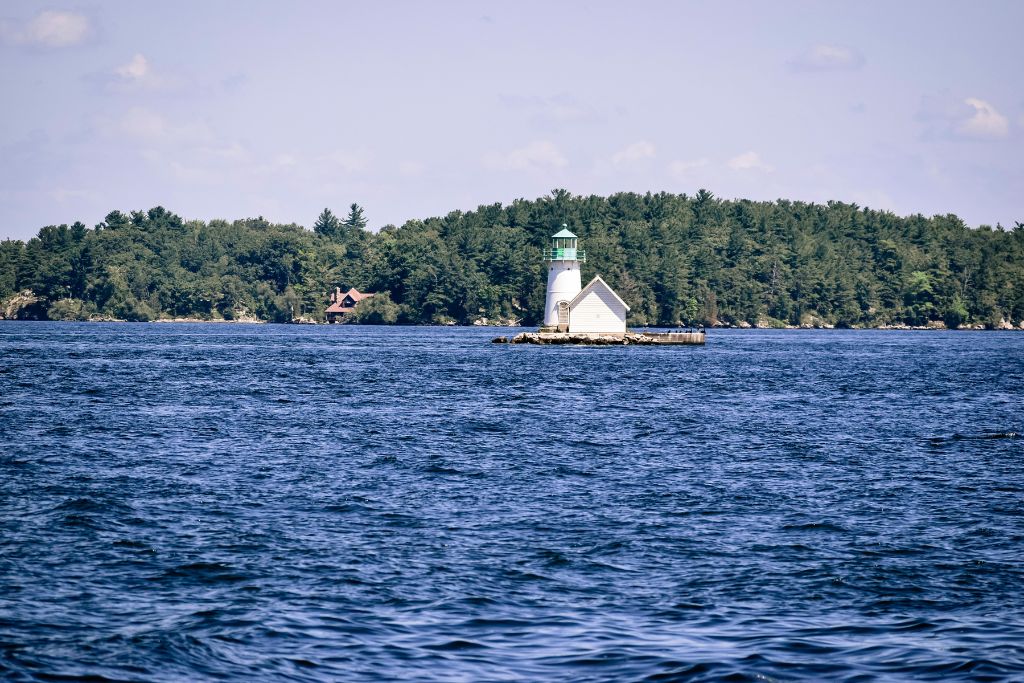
x=286 y=160
x=828 y=58
x=946 y=116
x=634 y=153
x=985 y=122
x=411 y=169
x=138 y=72
x=232 y=152
x=143 y=123
x=153 y=128
x=538 y=155
x=749 y=161
x=349 y=162
x=135 y=70
x=53 y=29
x=212 y=163
x=566 y=112
x=682 y=170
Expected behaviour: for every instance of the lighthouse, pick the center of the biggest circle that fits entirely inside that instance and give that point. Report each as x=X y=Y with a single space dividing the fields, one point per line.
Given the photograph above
x=564 y=281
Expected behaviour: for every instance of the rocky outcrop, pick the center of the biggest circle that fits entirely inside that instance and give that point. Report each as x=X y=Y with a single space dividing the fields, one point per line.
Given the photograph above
x=19 y=306
x=563 y=338
x=500 y=321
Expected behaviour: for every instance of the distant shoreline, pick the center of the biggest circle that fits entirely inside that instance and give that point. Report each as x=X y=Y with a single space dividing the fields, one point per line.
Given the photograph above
x=788 y=328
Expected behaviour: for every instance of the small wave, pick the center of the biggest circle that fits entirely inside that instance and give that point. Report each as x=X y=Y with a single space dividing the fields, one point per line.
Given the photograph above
x=80 y=505
x=345 y=508
x=983 y=436
x=437 y=469
x=681 y=671
x=456 y=645
x=572 y=471
x=91 y=505
x=815 y=526
x=481 y=427
x=205 y=572
x=553 y=558
x=76 y=520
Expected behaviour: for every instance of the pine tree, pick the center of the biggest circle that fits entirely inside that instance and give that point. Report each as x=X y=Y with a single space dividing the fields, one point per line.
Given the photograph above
x=355 y=220
x=327 y=224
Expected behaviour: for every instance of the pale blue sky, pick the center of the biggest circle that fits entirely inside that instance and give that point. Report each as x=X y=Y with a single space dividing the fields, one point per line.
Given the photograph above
x=413 y=109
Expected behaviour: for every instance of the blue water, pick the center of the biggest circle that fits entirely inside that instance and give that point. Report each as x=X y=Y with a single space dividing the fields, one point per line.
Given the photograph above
x=233 y=502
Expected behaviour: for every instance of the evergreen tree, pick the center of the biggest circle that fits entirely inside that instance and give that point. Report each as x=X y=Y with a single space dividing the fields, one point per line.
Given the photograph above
x=355 y=219
x=327 y=224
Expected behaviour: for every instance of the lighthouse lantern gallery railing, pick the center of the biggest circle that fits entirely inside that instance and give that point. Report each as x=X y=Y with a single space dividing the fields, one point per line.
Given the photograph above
x=567 y=254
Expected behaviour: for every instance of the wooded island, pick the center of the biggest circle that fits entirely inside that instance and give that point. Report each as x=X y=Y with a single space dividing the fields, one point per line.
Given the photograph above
x=675 y=258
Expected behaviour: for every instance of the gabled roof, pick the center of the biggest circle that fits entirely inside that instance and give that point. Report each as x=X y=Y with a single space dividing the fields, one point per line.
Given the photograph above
x=356 y=294
x=564 y=232
x=593 y=284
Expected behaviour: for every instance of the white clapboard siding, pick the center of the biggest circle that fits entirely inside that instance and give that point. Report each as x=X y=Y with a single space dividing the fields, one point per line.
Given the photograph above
x=597 y=310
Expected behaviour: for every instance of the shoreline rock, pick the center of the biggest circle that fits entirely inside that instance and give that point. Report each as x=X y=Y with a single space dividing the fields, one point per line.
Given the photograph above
x=247 y=321
x=577 y=339
x=497 y=322
x=24 y=299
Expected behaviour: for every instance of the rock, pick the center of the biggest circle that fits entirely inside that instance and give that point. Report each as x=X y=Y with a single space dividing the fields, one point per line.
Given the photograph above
x=1004 y=324
x=561 y=338
x=743 y=324
x=13 y=307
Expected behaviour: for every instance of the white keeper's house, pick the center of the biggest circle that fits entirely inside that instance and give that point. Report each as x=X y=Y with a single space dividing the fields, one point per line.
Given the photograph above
x=570 y=307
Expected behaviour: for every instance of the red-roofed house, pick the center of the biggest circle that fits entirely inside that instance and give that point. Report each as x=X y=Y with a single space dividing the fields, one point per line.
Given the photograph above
x=343 y=304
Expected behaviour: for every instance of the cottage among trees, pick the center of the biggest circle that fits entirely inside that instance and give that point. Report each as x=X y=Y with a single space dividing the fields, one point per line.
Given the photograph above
x=344 y=304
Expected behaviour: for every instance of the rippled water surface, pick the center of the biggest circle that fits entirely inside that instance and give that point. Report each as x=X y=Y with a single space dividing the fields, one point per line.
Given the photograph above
x=199 y=502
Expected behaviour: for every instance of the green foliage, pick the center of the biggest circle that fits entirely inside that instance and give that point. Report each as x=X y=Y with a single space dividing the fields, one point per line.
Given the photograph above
x=327 y=224
x=355 y=219
x=956 y=314
x=70 y=309
x=377 y=310
x=673 y=258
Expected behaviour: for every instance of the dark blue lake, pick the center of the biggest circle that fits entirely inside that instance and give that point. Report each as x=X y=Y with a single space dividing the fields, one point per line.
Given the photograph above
x=211 y=502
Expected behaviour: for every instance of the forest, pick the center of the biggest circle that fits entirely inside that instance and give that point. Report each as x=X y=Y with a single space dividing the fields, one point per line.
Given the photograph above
x=674 y=258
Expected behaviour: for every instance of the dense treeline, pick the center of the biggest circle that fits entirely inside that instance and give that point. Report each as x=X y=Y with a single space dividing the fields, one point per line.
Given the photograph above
x=671 y=257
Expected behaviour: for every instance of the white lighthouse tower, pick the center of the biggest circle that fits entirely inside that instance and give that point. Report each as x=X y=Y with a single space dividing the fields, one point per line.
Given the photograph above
x=564 y=281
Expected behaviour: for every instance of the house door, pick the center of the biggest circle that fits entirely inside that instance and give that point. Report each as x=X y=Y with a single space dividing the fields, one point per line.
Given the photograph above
x=563 y=316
